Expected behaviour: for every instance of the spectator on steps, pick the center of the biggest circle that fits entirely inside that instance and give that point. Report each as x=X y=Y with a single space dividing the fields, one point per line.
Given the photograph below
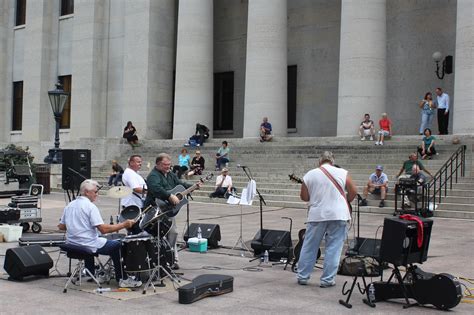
x=222 y=156
x=224 y=186
x=385 y=129
x=407 y=166
x=116 y=175
x=200 y=135
x=130 y=133
x=378 y=184
x=427 y=148
x=367 y=128
x=442 y=103
x=183 y=163
x=428 y=107
x=265 y=130
x=197 y=165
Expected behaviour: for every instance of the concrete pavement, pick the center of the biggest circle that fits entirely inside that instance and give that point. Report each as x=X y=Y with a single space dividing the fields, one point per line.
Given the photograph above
x=267 y=290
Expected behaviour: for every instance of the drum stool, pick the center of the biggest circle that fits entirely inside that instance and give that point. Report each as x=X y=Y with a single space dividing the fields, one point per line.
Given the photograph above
x=77 y=252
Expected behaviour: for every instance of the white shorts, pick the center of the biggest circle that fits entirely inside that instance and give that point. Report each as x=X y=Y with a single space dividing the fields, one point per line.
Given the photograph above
x=367 y=132
x=384 y=133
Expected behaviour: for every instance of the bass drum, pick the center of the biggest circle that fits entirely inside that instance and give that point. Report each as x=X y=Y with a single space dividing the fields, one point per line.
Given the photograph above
x=131 y=213
x=149 y=223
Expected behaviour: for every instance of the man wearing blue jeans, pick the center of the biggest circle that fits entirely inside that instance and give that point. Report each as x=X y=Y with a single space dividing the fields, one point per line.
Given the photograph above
x=328 y=214
x=82 y=221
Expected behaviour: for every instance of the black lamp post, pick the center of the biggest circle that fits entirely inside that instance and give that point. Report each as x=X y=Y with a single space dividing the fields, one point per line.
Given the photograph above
x=446 y=67
x=58 y=99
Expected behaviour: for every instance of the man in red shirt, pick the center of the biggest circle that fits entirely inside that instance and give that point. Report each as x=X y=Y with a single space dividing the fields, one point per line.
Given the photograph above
x=385 y=129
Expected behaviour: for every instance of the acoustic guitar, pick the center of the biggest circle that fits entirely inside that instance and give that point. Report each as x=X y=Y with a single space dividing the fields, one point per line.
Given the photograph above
x=301 y=234
x=179 y=191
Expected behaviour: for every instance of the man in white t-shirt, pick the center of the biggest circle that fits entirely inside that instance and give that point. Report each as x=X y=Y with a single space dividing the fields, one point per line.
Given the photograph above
x=135 y=181
x=328 y=214
x=82 y=222
x=223 y=185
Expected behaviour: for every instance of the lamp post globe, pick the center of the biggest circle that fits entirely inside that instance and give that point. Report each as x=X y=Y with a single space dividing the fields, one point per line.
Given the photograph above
x=57 y=98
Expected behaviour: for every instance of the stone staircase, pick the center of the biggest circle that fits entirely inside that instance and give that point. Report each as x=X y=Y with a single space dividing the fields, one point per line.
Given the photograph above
x=271 y=163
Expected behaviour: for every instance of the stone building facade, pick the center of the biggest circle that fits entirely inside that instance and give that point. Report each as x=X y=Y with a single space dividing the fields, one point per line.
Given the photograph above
x=314 y=67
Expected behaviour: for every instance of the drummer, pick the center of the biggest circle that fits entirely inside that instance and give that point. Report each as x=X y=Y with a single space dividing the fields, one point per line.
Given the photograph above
x=82 y=222
x=160 y=181
x=135 y=181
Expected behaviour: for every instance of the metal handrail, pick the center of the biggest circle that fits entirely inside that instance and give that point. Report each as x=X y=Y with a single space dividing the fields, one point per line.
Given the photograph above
x=454 y=167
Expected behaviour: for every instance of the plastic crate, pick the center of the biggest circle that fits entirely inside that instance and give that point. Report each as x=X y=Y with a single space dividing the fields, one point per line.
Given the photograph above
x=11 y=233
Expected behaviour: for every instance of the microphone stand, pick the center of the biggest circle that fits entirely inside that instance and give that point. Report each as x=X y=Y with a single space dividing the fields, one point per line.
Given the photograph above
x=262 y=202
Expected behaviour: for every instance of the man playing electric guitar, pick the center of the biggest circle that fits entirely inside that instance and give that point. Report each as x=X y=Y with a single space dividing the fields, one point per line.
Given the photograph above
x=159 y=182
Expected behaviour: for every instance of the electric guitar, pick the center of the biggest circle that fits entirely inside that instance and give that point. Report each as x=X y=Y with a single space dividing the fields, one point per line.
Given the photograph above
x=179 y=191
x=301 y=234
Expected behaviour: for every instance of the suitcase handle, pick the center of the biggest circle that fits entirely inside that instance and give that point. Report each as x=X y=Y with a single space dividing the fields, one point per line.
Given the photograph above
x=216 y=290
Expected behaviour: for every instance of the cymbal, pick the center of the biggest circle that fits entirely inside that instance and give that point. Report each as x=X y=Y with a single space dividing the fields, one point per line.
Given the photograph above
x=119 y=192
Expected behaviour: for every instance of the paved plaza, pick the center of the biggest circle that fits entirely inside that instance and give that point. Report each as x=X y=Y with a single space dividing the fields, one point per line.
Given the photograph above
x=262 y=290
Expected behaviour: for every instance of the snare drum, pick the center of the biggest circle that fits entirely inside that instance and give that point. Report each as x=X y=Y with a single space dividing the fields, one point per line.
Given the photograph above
x=131 y=213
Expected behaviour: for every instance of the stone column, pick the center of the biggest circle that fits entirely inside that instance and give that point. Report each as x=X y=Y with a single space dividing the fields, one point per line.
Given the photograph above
x=88 y=106
x=149 y=52
x=194 y=67
x=5 y=74
x=362 y=68
x=39 y=43
x=463 y=109
x=266 y=67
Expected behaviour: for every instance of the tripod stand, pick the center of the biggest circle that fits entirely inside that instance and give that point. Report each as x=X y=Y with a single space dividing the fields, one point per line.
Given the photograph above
x=158 y=267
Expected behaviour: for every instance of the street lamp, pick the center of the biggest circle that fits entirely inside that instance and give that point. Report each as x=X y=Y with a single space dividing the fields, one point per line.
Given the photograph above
x=58 y=99
x=447 y=66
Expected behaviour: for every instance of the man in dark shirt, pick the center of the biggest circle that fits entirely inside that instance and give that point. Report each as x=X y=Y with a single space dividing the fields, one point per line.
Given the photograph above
x=116 y=175
x=408 y=166
x=159 y=182
x=265 y=130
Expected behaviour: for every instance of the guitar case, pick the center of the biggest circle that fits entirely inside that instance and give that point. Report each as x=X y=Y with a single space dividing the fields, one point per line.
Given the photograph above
x=205 y=285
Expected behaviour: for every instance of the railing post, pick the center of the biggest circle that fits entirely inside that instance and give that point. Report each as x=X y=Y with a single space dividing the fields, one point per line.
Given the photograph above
x=446 y=182
x=457 y=166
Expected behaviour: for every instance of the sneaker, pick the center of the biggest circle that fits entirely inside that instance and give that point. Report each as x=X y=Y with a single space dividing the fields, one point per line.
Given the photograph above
x=302 y=281
x=362 y=139
x=363 y=203
x=380 y=143
x=175 y=266
x=377 y=143
x=381 y=204
x=130 y=283
x=327 y=284
x=371 y=138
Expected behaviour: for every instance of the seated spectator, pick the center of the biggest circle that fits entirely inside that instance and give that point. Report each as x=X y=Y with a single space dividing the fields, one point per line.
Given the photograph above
x=116 y=175
x=427 y=148
x=407 y=166
x=378 y=184
x=223 y=187
x=222 y=156
x=428 y=107
x=200 y=135
x=265 y=130
x=130 y=133
x=183 y=163
x=385 y=129
x=367 y=128
x=197 y=165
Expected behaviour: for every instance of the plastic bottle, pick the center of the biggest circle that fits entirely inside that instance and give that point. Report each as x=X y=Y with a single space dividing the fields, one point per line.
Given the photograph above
x=111 y=220
x=199 y=233
x=102 y=290
x=265 y=257
x=371 y=293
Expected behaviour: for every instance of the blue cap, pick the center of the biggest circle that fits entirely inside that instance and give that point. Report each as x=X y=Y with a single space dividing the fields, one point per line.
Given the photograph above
x=379 y=167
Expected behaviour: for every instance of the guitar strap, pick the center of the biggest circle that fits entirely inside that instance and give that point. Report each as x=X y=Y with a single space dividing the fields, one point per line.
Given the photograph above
x=338 y=187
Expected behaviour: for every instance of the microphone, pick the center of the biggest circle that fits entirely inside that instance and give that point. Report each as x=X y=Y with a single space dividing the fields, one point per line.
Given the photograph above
x=241 y=166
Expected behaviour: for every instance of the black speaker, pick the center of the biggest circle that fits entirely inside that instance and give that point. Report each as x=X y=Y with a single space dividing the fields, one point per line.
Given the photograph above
x=399 y=241
x=76 y=167
x=278 y=243
x=26 y=261
x=210 y=231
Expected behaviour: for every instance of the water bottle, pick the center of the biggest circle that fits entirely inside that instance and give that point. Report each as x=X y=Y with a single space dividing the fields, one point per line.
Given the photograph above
x=199 y=233
x=265 y=257
x=371 y=293
x=102 y=290
x=111 y=220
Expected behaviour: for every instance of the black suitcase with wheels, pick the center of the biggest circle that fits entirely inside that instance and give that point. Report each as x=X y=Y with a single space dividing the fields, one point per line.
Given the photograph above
x=204 y=286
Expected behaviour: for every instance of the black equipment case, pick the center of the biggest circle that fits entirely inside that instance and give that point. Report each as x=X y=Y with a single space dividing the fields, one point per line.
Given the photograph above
x=45 y=240
x=205 y=285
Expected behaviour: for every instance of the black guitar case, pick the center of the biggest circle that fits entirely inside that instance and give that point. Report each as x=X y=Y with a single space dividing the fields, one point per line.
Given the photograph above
x=205 y=285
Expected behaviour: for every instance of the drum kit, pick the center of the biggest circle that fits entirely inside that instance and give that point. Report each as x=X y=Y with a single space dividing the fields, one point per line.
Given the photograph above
x=145 y=251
